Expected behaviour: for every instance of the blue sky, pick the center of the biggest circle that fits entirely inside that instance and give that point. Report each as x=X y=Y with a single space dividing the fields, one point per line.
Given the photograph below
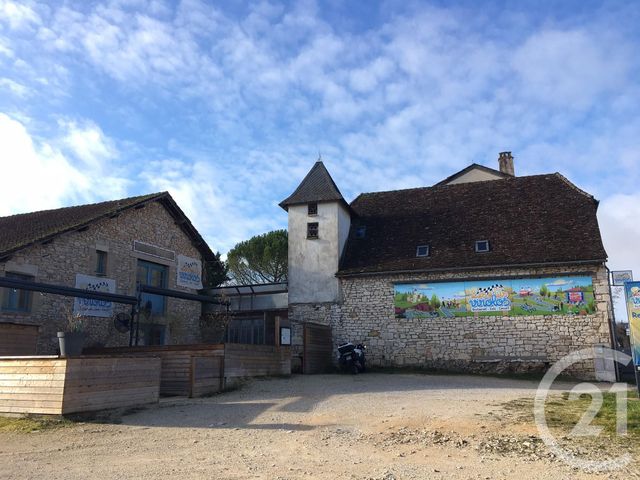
x=228 y=104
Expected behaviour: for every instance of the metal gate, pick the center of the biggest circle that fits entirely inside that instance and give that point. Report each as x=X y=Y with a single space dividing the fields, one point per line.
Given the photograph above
x=318 y=348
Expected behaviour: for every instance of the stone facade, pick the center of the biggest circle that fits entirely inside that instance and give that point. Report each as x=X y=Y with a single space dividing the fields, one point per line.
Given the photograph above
x=59 y=261
x=479 y=344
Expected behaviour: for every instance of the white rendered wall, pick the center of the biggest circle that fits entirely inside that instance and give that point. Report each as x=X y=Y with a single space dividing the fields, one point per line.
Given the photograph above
x=475 y=175
x=313 y=263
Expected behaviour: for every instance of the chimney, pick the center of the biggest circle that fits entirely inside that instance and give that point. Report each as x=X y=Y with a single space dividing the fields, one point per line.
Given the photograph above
x=505 y=160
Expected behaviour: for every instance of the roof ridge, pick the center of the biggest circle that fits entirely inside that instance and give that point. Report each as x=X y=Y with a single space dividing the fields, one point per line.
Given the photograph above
x=126 y=199
x=457 y=185
x=573 y=185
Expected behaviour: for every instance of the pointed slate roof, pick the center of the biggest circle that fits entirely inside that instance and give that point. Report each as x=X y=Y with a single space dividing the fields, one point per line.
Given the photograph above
x=317 y=186
x=25 y=229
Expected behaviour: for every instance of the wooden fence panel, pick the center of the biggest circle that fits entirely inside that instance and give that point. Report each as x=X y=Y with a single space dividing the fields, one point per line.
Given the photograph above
x=318 y=348
x=207 y=375
x=176 y=362
x=17 y=339
x=242 y=360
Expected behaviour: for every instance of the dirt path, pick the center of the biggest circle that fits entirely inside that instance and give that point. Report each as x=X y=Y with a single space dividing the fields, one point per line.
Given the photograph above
x=371 y=426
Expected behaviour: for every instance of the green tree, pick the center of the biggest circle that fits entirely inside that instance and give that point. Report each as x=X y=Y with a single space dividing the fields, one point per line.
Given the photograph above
x=543 y=290
x=261 y=259
x=435 y=303
x=215 y=272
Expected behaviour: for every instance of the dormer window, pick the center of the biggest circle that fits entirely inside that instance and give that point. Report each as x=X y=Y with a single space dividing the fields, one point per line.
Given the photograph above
x=312 y=230
x=482 y=246
x=361 y=232
x=312 y=208
x=422 y=251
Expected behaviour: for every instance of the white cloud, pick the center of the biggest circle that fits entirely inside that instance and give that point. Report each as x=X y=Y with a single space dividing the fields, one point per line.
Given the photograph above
x=18 y=15
x=13 y=87
x=37 y=175
x=88 y=143
x=570 y=67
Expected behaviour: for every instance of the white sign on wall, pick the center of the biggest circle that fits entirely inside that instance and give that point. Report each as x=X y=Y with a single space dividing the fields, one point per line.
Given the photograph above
x=189 y=272
x=94 y=308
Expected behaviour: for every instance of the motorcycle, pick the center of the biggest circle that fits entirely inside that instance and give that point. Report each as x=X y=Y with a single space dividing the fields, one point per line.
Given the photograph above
x=351 y=357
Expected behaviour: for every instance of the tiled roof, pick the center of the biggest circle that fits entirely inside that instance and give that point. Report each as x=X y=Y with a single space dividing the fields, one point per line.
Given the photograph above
x=23 y=230
x=317 y=186
x=528 y=220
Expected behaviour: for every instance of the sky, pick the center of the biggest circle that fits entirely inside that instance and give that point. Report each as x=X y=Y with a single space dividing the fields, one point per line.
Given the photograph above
x=228 y=104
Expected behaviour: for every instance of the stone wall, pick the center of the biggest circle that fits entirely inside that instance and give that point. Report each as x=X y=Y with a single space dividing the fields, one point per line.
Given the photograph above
x=490 y=344
x=75 y=252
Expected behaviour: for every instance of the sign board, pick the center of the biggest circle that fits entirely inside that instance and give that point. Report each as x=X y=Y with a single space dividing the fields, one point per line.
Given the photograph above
x=285 y=336
x=94 y=308
x=189 y=272
x=632 y=293
x=567 y=295
x=619 y=277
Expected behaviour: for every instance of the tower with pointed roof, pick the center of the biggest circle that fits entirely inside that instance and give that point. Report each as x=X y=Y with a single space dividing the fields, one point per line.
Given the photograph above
x=319 y=222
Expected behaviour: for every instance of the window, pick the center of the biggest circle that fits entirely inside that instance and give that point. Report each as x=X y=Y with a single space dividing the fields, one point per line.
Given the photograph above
x=422 y=251
x=361 y=232
x=156 y=276
x=482 y=246
x=101 y=262
x=312 y=208
x=247 y=330
x=312 y=230
x=14 y=299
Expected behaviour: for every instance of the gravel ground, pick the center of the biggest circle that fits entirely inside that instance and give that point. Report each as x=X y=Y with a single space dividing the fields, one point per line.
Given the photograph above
x=372 y=426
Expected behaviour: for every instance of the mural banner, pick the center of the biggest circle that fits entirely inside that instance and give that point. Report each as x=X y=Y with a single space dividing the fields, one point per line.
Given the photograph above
x=524 y=296
x=94 y=308
x=189 y=272
x=632 y=292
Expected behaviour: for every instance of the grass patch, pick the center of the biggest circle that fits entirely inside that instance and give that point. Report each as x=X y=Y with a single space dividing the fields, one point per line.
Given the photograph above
x=564 y=414
x=32 y=424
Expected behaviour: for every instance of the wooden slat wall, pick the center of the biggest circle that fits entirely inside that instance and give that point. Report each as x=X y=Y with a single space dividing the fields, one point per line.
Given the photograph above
x=207 y=375
x=98 y=383
x=256 y=360
x=318 y=348
x=32 y=385
x=58 y=386
x=18 y=339
x=175 y=377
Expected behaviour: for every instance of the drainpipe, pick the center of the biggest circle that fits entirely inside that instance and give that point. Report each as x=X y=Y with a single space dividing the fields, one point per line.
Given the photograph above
x=612 y=325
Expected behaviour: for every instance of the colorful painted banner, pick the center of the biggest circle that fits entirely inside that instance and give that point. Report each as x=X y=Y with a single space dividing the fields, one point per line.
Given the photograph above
x=94 y=308
x=189 y=272
x=632 y=292
x=525 y=296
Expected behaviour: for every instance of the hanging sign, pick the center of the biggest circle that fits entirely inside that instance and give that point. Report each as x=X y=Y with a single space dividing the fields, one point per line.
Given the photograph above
x=189 y=272
x=632 y=292
x=621 y=276
x=94 y=308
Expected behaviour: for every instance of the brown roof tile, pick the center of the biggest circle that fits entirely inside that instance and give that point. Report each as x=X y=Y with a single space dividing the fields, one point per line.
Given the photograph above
x=20 y=231
x=528 y=220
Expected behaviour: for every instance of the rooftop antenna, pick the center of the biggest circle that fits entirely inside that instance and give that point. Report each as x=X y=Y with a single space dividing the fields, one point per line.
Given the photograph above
x=319 y=156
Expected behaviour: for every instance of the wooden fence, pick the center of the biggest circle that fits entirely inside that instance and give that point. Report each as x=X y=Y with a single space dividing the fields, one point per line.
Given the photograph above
x=318 y=348
x=18 y=339
x=176 y=370
x=58 y=386
x=197 y=370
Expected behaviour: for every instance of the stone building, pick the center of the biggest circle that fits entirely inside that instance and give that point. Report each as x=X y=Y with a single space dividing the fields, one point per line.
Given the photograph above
x=108 y=246
x=484 y=271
